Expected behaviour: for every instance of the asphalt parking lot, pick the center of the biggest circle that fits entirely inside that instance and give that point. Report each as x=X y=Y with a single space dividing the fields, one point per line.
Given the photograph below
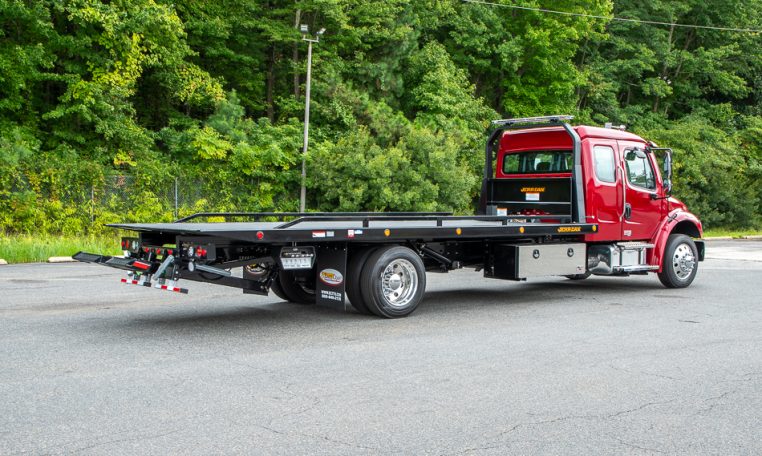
x=603 y=366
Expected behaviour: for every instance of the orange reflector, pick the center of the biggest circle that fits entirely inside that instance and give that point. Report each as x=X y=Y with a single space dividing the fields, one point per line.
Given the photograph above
x=595 y=228
x=387 y=232
x=458 y=231
x=521 y=229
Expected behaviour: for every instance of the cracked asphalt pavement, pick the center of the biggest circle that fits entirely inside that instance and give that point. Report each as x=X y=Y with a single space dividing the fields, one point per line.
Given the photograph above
x=604 y=366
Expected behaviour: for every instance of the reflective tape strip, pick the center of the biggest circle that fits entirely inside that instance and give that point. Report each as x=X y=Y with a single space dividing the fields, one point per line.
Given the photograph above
x=160 y=287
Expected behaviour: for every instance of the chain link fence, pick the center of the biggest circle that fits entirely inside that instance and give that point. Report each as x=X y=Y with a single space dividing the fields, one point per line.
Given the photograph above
x=79 y=202
x=121 y=191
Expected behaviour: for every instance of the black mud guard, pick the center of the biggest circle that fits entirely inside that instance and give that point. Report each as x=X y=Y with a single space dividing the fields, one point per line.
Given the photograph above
x=331 y=273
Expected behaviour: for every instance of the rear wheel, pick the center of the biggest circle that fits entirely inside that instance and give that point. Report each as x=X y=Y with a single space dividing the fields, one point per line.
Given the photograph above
x=300 y=288
x=261 y=273
x=275 y=288
x=393 y=281
x=354 y=272
x=680 y=262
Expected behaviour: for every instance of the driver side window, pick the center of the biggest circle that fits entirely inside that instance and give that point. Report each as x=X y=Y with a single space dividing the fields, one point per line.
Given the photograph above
x=639 y=171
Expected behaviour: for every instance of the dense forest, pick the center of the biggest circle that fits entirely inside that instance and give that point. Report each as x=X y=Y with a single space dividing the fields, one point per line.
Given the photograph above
x=402 y=93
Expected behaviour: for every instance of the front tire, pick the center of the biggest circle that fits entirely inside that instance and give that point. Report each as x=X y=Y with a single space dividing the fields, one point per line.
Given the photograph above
x=680 y=263
x=393 y=281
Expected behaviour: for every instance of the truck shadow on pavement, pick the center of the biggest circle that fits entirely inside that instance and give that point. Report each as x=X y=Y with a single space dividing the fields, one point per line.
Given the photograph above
x=282 y=317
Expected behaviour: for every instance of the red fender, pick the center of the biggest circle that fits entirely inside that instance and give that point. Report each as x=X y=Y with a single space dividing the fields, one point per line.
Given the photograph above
x=680 y=221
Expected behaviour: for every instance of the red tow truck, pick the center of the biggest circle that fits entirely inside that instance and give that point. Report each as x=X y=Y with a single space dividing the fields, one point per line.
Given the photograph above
x=556 y=200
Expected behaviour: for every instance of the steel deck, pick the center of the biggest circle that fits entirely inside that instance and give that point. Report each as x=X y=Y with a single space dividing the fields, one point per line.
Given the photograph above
x=363 y=228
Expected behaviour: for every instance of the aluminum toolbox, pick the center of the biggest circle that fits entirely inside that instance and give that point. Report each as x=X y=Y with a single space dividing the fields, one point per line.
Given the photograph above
x=520 y=261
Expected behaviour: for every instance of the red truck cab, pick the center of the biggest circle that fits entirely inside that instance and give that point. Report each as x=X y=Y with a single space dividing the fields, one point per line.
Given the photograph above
x=618 y=185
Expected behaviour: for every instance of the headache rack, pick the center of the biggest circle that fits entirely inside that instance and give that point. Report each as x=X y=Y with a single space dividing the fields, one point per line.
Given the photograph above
x=492 y=195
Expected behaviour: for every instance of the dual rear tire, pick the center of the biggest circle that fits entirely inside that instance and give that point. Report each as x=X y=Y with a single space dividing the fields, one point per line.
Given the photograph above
x=292 y=288
x=387 y=281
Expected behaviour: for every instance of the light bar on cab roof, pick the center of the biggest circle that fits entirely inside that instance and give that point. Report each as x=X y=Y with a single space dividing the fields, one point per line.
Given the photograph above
x=543 y=119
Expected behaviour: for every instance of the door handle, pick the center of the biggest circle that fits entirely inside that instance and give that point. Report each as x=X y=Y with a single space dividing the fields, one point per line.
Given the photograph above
x=627 y=211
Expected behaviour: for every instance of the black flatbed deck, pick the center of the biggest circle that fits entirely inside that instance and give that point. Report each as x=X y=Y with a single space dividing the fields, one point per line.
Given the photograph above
x=373 y=228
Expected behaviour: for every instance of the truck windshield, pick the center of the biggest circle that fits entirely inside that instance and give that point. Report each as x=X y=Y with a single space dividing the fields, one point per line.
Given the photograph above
x=538 y=161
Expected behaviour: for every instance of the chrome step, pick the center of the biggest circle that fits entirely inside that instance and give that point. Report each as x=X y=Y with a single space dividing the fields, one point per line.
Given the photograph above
x=635 y=268
x=634 y=245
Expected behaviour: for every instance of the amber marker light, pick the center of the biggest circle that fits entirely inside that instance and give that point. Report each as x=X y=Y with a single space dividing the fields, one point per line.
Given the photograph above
x=521 y=229
x=595 y=228
x=458 y=231
x=387 y=232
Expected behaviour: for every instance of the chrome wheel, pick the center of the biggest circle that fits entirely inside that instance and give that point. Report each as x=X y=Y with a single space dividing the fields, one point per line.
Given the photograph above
x=399 y=283
x=392 y=281
x=683 y=261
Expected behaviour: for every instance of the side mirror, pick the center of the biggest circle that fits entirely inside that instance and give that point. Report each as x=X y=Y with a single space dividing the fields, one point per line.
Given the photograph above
x=668 y=173
x=667 y=166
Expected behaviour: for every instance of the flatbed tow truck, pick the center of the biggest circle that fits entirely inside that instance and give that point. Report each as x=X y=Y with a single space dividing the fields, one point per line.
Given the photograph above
x=556 y=200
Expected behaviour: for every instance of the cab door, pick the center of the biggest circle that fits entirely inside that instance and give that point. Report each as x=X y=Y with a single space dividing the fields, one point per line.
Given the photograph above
x=604 y=188
x=641 y=181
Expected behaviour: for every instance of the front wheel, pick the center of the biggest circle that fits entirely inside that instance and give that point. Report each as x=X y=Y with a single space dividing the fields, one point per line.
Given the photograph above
x=393 y=281
x=680 y=262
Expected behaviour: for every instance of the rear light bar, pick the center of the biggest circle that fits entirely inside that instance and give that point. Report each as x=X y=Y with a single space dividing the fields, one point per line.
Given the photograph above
x=131 y=244
x=199 y=252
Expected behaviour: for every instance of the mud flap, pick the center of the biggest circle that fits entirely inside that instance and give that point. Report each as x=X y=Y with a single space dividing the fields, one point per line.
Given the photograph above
x=701 y=248
x=331 y=273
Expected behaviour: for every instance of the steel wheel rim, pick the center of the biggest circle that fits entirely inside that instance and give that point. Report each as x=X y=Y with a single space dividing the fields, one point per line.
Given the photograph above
x=399 y=283
x=683 y=261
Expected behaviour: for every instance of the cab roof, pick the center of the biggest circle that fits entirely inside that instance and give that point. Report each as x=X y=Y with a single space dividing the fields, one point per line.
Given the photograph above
x=557 y=138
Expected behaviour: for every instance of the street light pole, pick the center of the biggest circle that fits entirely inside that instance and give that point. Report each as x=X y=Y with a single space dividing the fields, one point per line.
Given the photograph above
x=306 y=37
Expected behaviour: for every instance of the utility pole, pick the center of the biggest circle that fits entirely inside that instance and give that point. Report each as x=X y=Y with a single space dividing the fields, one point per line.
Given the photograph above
x=309 y=39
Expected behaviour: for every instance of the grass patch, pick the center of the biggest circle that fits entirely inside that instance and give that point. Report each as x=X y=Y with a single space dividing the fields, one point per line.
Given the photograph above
x=722 y=232
x=32 y=249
